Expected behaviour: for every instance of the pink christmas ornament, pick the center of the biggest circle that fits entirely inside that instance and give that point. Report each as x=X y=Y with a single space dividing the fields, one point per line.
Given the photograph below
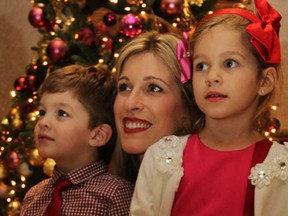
x=20 y=84
x=131 y=25
x=171 y=7
x=37 y=17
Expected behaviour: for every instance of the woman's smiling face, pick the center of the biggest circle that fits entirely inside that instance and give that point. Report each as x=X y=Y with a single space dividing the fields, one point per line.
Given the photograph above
x=148 y=104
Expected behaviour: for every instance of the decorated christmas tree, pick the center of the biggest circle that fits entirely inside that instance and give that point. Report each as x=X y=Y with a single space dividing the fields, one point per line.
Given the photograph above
x=83 y=32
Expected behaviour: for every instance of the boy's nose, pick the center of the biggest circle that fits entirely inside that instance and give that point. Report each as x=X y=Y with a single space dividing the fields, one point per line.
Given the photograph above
x=43 y=122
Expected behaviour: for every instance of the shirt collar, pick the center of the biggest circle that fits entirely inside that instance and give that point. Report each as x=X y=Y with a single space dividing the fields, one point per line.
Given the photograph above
x=82 y=174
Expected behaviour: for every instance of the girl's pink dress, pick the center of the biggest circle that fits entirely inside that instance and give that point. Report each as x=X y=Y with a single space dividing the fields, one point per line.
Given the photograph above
x=214 y=182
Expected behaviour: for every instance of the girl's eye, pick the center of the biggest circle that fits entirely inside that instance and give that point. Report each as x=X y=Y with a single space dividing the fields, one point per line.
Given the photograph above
x=154 y=88
x=62 y=113
x=201 y=67
x=41 y=112
x=123 y=87
x=230 y=64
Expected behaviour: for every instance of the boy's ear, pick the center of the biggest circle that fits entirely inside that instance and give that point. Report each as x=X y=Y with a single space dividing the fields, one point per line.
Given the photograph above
x=100 y=135
x=268 y=81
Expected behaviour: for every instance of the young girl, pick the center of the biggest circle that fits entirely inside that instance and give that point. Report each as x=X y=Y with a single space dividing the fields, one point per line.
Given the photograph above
x=227 y=168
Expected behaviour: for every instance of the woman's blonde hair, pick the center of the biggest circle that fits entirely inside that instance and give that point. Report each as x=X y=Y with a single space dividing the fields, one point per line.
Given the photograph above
x=164 y=47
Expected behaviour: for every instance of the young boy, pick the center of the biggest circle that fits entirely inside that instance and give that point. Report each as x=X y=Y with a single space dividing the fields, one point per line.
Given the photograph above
x=76 y=129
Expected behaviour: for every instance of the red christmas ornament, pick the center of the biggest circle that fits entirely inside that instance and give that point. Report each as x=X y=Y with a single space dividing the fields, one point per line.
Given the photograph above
x=30 y=82
x=50 y=26
x=37 y=17
x=57 y=50
x=171 y=7
x=20 y=84
x=109 y=19
x=12 y=160
x=108 y=42
x=31 y=69
x=131 y=25
x=86 y=36
x=274 y=124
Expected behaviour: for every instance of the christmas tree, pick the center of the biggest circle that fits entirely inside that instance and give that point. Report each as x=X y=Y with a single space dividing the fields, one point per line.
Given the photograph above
x=83 y=32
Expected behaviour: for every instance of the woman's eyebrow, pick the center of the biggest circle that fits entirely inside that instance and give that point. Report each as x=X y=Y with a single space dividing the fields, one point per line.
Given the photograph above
x=157 y=78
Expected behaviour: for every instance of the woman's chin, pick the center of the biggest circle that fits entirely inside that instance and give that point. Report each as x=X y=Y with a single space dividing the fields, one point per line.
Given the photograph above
x=133 y=149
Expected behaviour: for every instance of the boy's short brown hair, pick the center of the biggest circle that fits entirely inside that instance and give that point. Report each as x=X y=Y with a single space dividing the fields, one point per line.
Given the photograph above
x=95 y=88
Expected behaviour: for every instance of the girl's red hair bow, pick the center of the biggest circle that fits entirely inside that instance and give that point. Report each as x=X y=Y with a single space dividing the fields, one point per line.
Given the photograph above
x=264 y=29
x=265 y=33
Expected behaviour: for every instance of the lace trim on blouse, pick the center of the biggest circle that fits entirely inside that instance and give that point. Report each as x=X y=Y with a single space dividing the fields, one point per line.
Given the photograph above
x=274 y=167
x=169 y=154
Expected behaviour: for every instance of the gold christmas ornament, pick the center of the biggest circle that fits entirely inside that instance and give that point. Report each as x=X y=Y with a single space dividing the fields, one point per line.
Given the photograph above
x=4 y=189
x=48 y=166
x=32 y=116
x=17 y=122
x=24 y=169
x=5 y=121
x=34 y=158
x=187 y=20
x=198 y=3
x=3 y=172
x=14 y=208
x=14 y=112
x=134 y=2
x=15 y=117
